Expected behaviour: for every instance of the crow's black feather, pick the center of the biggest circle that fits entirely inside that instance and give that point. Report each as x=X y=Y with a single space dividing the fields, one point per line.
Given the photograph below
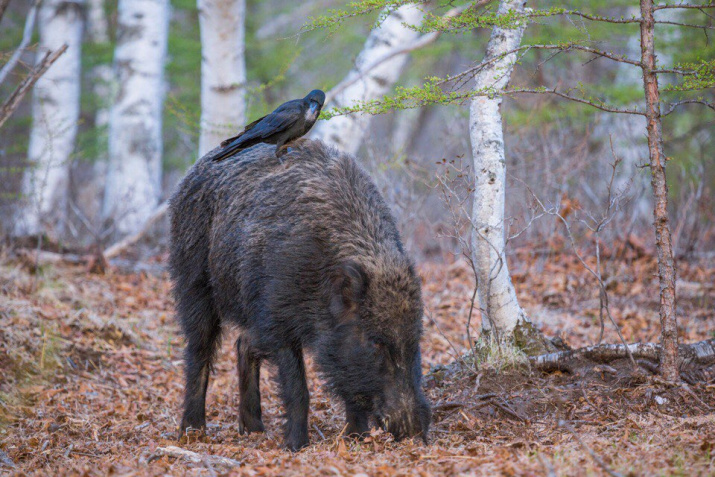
x=288 y=122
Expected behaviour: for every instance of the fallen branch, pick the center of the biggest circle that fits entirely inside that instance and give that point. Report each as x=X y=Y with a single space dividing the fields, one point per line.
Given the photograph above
x=34 y=258
x=702 y=352
x=196 y=458
x=128 y=242
x=13 y=101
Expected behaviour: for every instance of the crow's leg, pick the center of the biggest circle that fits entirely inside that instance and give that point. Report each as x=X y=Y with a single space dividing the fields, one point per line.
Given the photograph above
x=281 y=150
x=249 y=371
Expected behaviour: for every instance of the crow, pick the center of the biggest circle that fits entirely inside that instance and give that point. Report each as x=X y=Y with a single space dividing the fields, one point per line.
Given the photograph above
x=288 y=122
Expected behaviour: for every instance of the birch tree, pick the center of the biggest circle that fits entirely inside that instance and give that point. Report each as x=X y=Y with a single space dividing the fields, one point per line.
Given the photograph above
x=367 y=82
x=135 y=147
x=223 y=70
x=55 y=112
x=500 y=307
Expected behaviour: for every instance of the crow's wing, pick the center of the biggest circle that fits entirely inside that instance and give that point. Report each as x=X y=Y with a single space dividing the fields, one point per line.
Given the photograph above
x=280 y=120
x=226 y=142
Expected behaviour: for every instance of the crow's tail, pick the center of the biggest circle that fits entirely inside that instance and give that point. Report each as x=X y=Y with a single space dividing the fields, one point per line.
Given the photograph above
x=228 y=151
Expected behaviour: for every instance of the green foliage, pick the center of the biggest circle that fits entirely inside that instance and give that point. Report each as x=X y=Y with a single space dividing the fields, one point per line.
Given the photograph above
x=335 y=17
x=700 y=75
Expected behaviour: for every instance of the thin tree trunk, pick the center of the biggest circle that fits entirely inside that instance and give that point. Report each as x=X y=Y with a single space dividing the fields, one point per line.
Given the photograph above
x=55 y=112
x=223 y=70
x=347 y=132
x=500 y=307
x=135 y=146
x=666 y=264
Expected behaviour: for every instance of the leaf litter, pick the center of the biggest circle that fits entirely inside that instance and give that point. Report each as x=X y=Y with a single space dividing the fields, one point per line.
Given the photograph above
x=91 y=384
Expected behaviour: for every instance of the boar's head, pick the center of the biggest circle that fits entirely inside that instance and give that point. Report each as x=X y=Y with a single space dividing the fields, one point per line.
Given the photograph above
x=371 y=355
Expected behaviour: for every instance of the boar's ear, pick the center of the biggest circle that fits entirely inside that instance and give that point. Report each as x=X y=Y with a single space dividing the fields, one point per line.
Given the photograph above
x=348 y=287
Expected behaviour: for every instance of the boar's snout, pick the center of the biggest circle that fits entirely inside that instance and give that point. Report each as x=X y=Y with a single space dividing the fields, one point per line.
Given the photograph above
x=407 y=415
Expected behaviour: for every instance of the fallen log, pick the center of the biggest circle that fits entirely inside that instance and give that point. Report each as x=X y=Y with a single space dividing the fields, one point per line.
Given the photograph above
x=195 y=457
x=702 y=352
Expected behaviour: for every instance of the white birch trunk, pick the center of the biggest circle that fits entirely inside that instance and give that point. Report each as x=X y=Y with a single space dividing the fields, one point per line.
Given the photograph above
x=55 y=112
x=135 y=146
x=223 y=70
x=497 y=297
x=347 y=132
x=98 y=26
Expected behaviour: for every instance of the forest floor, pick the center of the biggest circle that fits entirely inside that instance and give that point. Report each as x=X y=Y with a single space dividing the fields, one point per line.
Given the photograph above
x=91 y=383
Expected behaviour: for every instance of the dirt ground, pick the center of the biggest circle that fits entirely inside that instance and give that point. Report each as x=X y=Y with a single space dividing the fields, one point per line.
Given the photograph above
x=91 y=380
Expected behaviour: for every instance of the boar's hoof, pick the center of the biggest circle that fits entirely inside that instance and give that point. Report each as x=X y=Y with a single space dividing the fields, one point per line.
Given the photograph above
x=248 y=424
x=294 y=443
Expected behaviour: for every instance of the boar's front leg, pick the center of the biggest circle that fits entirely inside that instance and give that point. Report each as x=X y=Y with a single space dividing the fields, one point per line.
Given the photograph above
x=358 y=421
x=294 y=391
x=249 y=372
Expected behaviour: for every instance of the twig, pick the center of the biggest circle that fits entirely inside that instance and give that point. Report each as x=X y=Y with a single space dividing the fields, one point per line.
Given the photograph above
x=508 y=410
x=320 y=433
x=13 y=101
x=593 y=455
x=683 y=5
x=26 y=37
x=688 y=101
x=601 y=106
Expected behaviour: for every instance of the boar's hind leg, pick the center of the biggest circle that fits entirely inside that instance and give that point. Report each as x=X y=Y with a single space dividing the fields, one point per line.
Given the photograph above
x=249 y=372
x=202 y=330
x=294 y=391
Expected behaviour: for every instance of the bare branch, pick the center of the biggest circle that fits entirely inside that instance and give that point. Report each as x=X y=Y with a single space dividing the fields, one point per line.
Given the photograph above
x=601 y=106
x=13 y=101
x=26 y=37
x=683 y=5
x=689 y=25
x=688 y=101
x=598 y=18
x=565 y=47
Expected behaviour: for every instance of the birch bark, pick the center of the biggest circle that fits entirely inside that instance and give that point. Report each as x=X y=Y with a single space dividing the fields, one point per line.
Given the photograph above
x=223 y=70
x=55 y=112
x=500 y=307
x=347 y=132
x=135 y=147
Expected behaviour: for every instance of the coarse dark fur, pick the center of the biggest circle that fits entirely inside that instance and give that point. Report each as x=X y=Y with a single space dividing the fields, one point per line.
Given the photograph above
x=303 y=255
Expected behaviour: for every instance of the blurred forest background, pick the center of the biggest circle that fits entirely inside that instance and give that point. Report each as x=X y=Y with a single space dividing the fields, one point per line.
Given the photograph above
x=559 y=149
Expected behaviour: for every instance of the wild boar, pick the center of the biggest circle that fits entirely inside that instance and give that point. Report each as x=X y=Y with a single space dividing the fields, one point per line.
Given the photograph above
x=300 y=256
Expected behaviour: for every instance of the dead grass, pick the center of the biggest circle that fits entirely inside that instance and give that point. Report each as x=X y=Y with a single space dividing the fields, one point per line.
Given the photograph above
x=90 y=383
